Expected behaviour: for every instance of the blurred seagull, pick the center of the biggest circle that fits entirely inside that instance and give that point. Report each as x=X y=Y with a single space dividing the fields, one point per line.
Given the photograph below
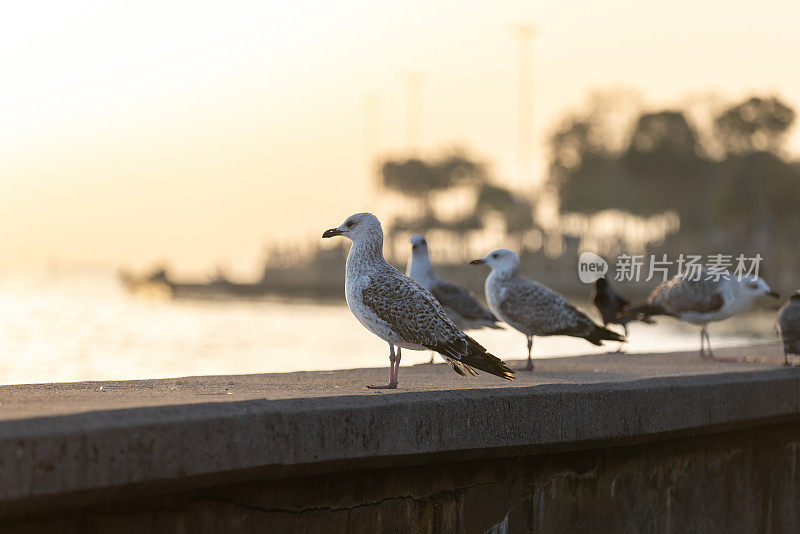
x=399 y=310
x=789 y=324
x=458 y=302
x=535 y=309
x=613 y=307
x=702 y=299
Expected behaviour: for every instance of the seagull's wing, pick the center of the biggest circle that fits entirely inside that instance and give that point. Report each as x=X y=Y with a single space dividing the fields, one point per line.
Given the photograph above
x=413 y=313
x=543 y=310
x=462 y=301
x=683 y=295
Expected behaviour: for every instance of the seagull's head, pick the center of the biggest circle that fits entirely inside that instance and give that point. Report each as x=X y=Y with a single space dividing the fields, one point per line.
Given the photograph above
x=501 y=261
x=357 y=227
x=754 y=286
x=418 y=244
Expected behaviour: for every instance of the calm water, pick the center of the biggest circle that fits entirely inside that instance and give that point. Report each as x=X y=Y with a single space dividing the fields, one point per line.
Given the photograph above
x=57 y=328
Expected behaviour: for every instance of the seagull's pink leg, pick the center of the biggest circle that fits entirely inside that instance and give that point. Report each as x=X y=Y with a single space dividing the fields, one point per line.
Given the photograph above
x=392 y=375
x=397 y=366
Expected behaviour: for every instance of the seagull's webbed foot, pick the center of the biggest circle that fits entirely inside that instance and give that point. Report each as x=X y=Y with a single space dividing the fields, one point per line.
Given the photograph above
x=391 y=385
x=529 y=365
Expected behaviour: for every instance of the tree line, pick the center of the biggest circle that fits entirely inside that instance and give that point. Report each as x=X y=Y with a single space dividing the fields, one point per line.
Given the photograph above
x=730 y=182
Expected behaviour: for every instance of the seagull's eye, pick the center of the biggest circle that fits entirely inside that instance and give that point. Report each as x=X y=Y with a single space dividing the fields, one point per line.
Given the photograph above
x=349 y=224
x=752 y=286
x=494 y=256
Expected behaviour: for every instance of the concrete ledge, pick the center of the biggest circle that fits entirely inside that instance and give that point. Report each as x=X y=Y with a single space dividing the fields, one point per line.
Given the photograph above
x=67 y=445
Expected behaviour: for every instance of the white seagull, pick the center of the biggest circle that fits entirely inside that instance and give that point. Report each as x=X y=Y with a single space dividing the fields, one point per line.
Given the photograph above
x=458 y=302
x=789 y=324
x=700 y=298
x=399 y=310
x=533 y=308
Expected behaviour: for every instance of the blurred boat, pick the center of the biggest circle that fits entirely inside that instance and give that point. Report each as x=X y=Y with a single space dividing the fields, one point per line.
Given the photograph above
x=276 y=283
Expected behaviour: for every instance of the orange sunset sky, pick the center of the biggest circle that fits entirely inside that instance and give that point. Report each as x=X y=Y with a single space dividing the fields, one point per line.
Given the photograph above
x=195 y=132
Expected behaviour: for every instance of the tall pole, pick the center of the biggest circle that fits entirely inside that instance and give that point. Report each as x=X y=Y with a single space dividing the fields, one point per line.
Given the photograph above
x=525 y=33
x=372 y=147
x=414 y=82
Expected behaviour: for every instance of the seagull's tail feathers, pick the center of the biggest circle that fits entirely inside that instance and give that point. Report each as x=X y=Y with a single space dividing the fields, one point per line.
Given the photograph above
x=600 y=334
x=475 y=357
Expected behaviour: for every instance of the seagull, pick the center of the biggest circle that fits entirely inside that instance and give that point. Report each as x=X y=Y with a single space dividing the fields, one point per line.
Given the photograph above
x=789 y=324
x=399 y=310
x=458 y=302
x=700 y=298
x=612 y=306
x=535 y=309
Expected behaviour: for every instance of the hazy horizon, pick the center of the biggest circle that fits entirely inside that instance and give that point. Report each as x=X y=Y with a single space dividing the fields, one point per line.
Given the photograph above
x=195 y=134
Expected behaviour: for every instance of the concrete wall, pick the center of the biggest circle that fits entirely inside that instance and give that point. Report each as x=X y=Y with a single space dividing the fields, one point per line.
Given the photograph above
x=743 y=481
x=609 y=443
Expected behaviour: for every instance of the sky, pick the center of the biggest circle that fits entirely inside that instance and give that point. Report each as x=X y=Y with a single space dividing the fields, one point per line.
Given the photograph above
x=197 y=132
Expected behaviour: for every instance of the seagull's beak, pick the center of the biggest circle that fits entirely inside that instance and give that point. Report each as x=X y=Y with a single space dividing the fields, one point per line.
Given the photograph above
x=333 y=232
x=771 y=293
x=477 y=262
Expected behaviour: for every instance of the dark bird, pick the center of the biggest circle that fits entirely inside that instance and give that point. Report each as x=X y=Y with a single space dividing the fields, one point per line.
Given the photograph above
x=613 y=307
x=789 y=325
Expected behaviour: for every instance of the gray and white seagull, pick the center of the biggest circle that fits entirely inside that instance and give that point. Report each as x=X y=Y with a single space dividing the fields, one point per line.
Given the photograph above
x=399 y=310
x=700 y=298
x=533 y=308
x=458 y=302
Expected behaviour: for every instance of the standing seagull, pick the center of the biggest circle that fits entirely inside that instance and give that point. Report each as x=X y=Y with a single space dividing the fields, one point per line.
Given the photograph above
x=399 y=310
x=458 y=302
x=789 y=323
x=702 y=299
x=535 y=309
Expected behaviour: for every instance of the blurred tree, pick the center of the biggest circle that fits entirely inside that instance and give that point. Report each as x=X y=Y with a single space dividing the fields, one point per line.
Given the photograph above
x=667 y=169
x=517 y=212
x=583 y=170
x=664 y=133
x=755 y=187
x=754 y=124
x=419 y=180
x=414 y=178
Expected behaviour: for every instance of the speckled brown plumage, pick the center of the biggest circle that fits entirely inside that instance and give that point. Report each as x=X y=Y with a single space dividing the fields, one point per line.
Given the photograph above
x=539 y=311
x=681 y=295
